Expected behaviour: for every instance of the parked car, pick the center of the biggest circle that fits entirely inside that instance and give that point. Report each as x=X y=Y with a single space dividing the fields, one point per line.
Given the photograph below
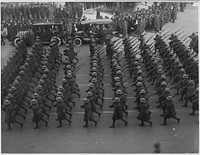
x=47 y=31
x=83 y=34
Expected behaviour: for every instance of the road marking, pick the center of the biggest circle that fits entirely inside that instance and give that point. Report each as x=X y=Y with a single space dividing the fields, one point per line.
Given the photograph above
x=89 y=76
x=110 y=98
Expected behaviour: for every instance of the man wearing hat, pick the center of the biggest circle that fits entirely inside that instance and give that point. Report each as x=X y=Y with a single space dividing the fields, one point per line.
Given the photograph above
x=88 y=115
x=170 y=111
x=37 y=113
x=144 y=114
x=10 y=115
x=61 y=107
x=190 y=91
x=118 y=113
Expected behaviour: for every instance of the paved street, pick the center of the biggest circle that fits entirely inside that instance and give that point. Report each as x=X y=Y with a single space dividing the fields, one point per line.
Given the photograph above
x=174 y=138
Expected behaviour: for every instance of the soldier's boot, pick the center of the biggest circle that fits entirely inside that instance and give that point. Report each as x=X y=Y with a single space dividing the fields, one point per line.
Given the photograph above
x=163 y=113
x=18 y=114
x=21 y=124
x=70 y=115
x=113 y=125
x=178 y=119
x=9 y=127
x=181 y=99
x=86 y=124
x=185 y=105
x=68 y=121
x=165 y=121
x=142 y=123
x=46 y=123
x=60 y=124
x=36 y=126
x=95 y=122
x=193 y=112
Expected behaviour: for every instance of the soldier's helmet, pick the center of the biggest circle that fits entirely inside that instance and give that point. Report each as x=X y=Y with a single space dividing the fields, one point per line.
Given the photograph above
x=7 y=102
x=33 y=47
x=64 y=81
x=27 y=59
x=58 y=99
x=94 y=74
x=163 y=83
x=163 y=77
x=46 y=70
x=191 y=82
x=94 y=80
x=160 y=71
x=89 y=93
x=59 y=94
x=60 y=88
x=22 y=68
x=13 y=88
x=139 y=78
x=139 y=71
x=91 y=85
x=143 y=100
x=86 y=100
x=44 y=76
x=167 y=90
x=119 y=72
x=36 y=95
x=138 y=67
x=119 y=92
x=170 y=98
x=39 y=87
x=118 y=68
x=117 y=84
x=139 y=84
x=185 y=76
x=33 y=102
x=68 y=66
x=16 y=82
x=142 y=91
x=182 y=70
x=9 y=96
x=69 y=75
x=94 y=69
x=41 y=81
x=116 y=99
x=37 y=37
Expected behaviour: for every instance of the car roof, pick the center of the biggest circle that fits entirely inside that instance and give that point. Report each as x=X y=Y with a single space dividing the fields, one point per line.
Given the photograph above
x=97 y=21
x=41 y=24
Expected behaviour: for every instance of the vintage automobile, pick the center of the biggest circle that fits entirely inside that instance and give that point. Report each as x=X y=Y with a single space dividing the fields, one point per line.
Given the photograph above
x=27 y=36
x=49 y=30
x=83 y=33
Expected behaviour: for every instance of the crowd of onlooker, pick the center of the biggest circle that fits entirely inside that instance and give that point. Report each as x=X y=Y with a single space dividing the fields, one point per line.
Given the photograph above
x=153 y=18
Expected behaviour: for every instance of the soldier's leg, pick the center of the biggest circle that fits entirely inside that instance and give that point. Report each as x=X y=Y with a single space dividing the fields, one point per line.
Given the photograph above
x=9 y=126
x=68 y=121
x=165 y=121
x=113 y=124
x=125 y=122
x=36 y=125
x=178 y=119
x=42 y=119
x=86 y=123
x=142 y=123
x=60 y=124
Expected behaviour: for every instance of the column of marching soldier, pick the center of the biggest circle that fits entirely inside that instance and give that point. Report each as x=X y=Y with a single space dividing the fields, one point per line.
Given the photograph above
x=43 y=66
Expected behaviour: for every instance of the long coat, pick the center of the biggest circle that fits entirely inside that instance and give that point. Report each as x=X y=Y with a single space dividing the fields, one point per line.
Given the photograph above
x=9 y=114
x=118 y=113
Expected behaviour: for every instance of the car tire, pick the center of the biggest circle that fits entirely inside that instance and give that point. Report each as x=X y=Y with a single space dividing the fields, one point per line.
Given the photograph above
x=58 y=39
x=16 y=40
x=77 y=42
x=64 y=40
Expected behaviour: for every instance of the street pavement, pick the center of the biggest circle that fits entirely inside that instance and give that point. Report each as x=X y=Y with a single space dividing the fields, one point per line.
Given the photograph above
x=174 y=138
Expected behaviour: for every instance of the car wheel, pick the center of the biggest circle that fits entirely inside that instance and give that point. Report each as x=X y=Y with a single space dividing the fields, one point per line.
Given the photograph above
x=58 y=40
x=16 y=41
x=64 y=40
x=77 y=42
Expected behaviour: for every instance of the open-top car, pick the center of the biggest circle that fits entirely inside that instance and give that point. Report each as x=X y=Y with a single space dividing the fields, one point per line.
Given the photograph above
x=84 y=31
x=49 y=30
